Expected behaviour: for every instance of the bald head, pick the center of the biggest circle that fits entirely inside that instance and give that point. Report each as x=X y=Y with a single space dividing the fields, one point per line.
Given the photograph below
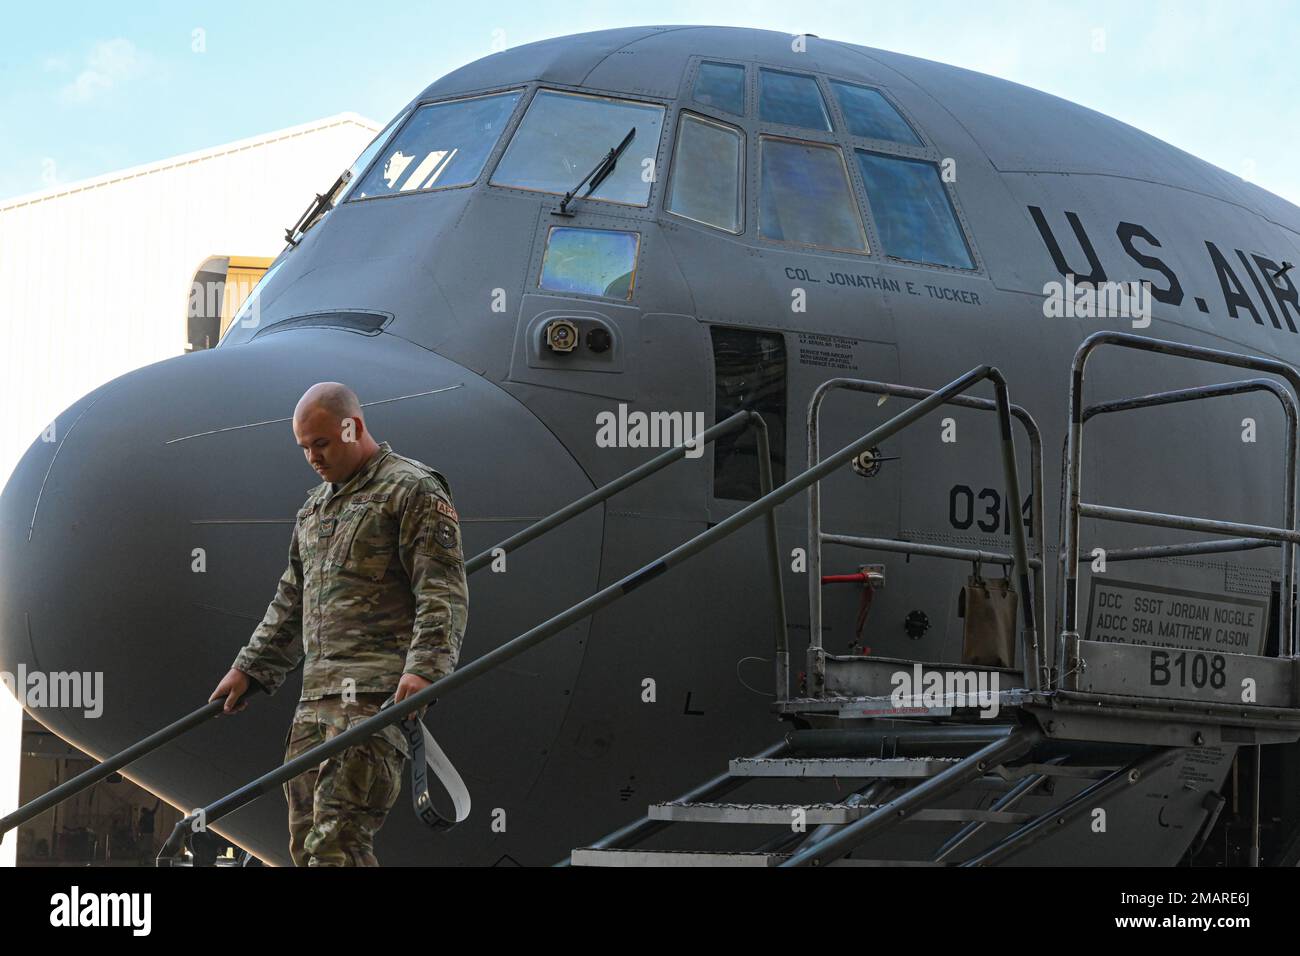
x=330 y=429
x=334 y=397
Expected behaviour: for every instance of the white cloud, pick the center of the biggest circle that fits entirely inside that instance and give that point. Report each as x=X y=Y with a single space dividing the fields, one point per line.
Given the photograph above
x=109 y=63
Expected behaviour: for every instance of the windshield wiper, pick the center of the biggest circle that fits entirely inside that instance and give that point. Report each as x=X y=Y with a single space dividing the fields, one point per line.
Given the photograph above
x=322 y=204
x=597 y=175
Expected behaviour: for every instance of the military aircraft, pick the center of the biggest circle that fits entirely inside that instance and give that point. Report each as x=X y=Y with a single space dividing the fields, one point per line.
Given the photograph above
x=550 y=246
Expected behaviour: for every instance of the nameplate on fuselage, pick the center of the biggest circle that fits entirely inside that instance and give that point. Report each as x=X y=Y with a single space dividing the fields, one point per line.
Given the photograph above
x=1133 y=613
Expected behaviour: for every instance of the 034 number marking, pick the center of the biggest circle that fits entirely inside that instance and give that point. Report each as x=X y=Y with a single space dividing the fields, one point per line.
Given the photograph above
x=985 y=510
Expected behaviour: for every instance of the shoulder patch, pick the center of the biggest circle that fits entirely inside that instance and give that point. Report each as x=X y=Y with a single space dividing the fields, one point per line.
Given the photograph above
x=446 y=535
x=447 y=510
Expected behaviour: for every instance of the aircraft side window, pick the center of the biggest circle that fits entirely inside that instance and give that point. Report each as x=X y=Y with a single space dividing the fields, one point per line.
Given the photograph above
x=749 y=372
x=367 y=156
x=443 y=144
x=871 y=116
x=792 y=99
x=722 y=86
x=590 y=261
x=564 y=135
x=806 y=197
x=707 y=173
x=912 y=210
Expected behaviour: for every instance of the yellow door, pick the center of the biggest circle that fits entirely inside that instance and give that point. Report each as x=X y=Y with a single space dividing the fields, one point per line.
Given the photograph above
x=243 y=274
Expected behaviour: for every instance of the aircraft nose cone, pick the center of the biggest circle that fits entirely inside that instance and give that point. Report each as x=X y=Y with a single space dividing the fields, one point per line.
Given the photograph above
x=144 y=543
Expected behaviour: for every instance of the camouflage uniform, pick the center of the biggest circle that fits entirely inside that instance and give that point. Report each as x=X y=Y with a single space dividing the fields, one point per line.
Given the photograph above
x=375 y=588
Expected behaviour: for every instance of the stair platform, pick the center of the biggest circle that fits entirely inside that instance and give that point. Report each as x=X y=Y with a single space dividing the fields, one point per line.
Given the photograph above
x=872 y=677
x=858 y=707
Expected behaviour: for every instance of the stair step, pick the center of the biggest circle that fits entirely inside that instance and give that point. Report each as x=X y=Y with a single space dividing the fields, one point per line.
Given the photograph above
x=847 y=861
x=826 y=767
x=782 y=814
x=590 y=856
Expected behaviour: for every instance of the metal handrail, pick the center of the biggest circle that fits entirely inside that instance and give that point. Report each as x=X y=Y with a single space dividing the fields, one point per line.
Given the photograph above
x=1055 y=818
x=70 y=788
x=608 y=490
x=1035 y=600
x=542 y=632
x=741 y=419
x=1251 y=535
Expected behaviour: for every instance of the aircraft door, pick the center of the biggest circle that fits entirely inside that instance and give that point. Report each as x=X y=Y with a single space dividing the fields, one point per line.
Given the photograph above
x=777 y=372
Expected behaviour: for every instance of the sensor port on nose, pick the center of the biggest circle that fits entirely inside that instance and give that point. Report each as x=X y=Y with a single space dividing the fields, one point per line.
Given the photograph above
x=561 y=335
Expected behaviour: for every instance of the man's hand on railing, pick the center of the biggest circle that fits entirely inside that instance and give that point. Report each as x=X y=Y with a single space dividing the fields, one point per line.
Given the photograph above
x=233 y=686
x=408 y=685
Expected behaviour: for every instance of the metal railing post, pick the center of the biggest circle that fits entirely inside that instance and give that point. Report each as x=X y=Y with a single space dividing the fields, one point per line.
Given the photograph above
x=781 y=644
x=1029 y=635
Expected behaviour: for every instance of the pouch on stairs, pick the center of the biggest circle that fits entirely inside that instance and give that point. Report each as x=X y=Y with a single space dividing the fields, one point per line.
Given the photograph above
x=988 y=607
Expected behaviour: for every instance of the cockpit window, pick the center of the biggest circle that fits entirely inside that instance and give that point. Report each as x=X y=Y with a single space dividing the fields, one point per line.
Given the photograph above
x=871 y=116
x=564 y=136
x=707 y=173
x=912 y=210
x=792 y=99
x=721 y=85
x=806 y=197
x=443 y=144
x=590 y=261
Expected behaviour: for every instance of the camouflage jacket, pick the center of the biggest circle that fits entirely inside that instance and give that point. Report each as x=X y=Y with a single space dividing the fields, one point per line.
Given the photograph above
x=375 y=586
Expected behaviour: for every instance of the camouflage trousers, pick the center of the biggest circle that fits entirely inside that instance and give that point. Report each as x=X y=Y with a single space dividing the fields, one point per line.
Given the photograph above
x=336 y=808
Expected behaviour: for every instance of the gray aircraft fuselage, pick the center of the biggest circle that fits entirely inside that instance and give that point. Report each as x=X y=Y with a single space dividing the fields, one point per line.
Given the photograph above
x=98 y=529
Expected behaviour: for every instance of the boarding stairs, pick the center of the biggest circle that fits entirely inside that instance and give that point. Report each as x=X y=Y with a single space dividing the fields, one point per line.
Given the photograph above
x=1088 y=726
x=958 y=789
x=856 y=769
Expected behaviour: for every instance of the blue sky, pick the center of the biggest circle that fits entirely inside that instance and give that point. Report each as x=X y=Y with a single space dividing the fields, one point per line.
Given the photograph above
x=87 y=88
